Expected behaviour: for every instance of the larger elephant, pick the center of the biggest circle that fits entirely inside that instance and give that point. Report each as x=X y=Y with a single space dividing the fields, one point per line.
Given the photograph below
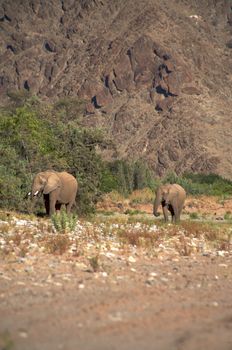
x=172 y=198
x=57 y=188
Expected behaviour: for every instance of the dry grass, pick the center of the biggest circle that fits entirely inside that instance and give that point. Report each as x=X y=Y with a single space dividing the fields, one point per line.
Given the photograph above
x=139 y=231
x=57 y=244
x=143 y=196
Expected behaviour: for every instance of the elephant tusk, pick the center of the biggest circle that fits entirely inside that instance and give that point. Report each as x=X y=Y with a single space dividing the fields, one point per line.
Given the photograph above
x=35 y=194
x=29 y=193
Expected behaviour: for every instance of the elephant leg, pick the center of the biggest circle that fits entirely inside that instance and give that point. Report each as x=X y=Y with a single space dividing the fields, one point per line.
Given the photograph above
x=165 y=212
x=172 y=211
x=52 y=202
x=46 y=203
x=68 y=207
x=176 y=211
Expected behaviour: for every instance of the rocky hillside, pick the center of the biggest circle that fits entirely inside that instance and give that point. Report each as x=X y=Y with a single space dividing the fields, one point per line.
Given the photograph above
x=155 y=74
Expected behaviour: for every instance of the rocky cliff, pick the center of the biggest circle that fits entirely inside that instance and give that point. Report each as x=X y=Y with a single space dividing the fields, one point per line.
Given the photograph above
x=155 y=74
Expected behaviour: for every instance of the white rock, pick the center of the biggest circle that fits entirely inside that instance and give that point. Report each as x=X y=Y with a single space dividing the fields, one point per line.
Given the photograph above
x=131 y=259
x=153 y=274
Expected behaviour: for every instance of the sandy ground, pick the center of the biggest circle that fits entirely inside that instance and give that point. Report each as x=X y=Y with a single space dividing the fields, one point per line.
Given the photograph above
x=181 y=304
x=132 y=301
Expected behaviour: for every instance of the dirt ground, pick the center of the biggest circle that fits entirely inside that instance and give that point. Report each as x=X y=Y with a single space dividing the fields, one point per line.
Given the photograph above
x=133 y=301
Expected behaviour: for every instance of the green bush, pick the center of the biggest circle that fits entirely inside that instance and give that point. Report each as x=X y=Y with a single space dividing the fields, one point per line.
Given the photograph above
x=198 y=184
x=35 y=137
x=63 y=222
x=127 y=176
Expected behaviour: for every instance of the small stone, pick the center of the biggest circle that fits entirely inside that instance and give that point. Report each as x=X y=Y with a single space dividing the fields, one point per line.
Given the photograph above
x=223 y=265
x=153 y=274
x=19 y=283
x=116 y=317
x=58 y=284
x=131 y=259
x=81 y=286
x=23 y=334
x=221 y=253
x=164 y=279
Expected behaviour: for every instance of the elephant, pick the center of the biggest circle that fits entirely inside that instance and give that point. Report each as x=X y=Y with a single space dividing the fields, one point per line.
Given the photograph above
x=171 y=197
x=57 y=188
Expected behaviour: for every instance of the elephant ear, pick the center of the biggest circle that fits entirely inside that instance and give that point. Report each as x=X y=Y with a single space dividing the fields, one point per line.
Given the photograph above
x=52 y=184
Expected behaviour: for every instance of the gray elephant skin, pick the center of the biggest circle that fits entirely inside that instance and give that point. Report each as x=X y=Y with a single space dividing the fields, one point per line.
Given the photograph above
x=57 y=188
x=172 y=198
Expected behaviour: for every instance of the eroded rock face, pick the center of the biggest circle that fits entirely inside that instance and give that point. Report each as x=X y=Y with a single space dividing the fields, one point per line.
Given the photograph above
x=156 y=75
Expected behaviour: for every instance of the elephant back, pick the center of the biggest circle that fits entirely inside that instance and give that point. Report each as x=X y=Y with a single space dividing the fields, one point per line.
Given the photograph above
x=179 y=188
x=68 y=180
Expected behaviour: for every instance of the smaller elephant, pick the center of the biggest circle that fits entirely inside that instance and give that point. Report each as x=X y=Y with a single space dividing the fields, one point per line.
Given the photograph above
x=172 y=198
x=57 y=188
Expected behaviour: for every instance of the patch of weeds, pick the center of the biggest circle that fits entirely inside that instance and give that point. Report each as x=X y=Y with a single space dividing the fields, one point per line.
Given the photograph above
x=183 y=246
x=133 y=212
x=6 y=342
x=94 y=263
x=4 y=216
x=4 y=228
x=218 y=235
x=57 y=244
x=16 y=238
x=140 y=236
x=23 y=251
x=194 y=216
x=228 y=215
x=64 y=222
x=105 y=212
x=143 y=196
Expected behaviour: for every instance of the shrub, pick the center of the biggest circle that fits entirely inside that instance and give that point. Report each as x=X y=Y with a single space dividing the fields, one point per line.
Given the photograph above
x=228 y=215
x=29 y=135
x=193 y=216
x=198 y=184
x=57 y=244
x=64 y=222
x=143 y=196
x=127 y=176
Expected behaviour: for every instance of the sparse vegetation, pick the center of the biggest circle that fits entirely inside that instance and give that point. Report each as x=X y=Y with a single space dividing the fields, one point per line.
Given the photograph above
x=228 y=215
x=6 y=342
x=198 y=184
x=57 y=244
x=94 y=263
x=194 y=216
x=63 y=222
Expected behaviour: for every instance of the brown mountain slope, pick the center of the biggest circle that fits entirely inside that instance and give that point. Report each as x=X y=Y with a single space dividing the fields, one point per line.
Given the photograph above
x=156 y=75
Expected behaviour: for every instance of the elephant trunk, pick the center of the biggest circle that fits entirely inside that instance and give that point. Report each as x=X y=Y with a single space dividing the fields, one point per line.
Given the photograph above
x=157 y=203
x=35 y=192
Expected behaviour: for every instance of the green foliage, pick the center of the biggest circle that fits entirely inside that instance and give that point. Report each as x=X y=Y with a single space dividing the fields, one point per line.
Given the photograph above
x=64 y=222
x=228 y=215
x=124 y=176
x=69 y=108
x=197 y=184
x=35 y=137
x=193 y=216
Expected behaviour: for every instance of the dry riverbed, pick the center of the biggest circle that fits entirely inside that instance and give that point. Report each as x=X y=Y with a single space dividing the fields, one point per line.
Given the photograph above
x=115 y=282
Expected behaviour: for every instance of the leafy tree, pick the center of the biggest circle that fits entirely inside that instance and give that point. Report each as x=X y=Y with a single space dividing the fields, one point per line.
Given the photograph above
x=33 y=139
